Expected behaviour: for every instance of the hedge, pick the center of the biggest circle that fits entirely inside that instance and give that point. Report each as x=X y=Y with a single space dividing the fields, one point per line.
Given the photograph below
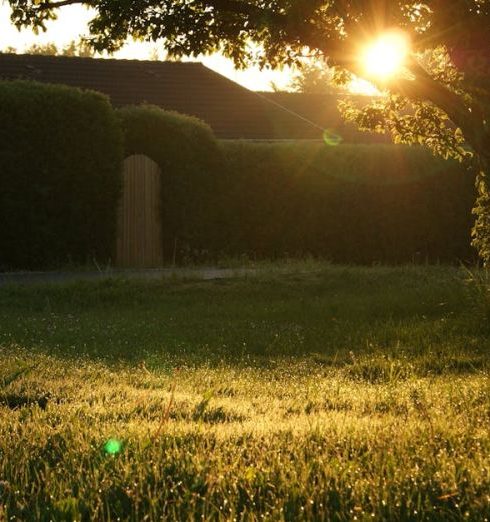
x=60 y=176
x=188 y=154
x=60 y=161
x=348 y=204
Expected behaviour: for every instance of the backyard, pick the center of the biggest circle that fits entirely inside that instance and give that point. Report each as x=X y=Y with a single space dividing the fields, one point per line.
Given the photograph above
x=228 y=297
x=303 y=391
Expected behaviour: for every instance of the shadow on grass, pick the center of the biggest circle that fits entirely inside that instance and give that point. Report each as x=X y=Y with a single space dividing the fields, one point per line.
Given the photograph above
x=14 y=401
x=378 y=323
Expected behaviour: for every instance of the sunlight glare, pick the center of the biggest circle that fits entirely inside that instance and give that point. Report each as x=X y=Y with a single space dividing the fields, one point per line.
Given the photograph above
x=385 y=57
x=363 y=87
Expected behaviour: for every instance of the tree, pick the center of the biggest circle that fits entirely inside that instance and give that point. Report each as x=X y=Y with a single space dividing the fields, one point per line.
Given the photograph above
x=81 y=49
x=448 y=76
x=315 y=78
x=48 y=49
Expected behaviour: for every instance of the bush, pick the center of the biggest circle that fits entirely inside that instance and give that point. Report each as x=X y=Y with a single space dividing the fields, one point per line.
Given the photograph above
x=481 y=230
x=60 y=160
x=188 y=155
x=349 y=204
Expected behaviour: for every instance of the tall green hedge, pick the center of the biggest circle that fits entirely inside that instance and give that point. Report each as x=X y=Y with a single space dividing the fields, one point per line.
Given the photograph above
x=60 y=160
x=348 y=204
x=188 y=154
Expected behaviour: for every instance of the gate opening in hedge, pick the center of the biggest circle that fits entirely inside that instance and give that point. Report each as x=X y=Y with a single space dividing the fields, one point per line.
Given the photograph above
x=139 y=229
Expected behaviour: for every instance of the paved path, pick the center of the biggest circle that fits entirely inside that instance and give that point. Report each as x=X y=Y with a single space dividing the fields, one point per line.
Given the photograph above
x=25 y=278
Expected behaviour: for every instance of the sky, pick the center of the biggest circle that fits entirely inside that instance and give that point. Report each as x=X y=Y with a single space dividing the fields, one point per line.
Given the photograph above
x=72 y=24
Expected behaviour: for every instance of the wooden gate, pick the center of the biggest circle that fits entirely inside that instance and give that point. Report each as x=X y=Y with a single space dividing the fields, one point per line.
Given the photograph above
x=139 y=229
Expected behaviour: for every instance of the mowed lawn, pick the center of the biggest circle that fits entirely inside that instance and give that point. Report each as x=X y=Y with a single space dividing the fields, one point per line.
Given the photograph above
x=305 y=392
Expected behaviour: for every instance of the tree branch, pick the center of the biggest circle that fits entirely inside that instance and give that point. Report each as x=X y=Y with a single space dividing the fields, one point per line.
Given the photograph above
x=240 y=7
x=468 y=118
x=54 y=5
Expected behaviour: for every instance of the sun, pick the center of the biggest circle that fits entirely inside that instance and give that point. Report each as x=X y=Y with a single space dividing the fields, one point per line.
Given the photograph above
x=384 y=58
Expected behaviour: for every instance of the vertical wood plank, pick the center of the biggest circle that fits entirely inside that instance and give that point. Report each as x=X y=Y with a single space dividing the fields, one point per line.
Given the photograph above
x=139 y=242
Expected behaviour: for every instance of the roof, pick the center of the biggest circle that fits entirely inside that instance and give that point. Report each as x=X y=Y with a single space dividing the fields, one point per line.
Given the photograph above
x=190 y=88
x=321 y=110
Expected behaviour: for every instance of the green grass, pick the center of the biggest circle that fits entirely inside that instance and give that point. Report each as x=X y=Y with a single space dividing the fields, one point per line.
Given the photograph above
x=301 y=393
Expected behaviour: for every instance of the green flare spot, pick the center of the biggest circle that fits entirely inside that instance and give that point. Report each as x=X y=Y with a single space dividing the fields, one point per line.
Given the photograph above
x=331 y=138
x=112 y=446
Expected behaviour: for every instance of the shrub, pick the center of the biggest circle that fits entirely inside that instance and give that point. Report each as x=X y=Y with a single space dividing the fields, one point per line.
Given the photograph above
x=349 y=204
x=188 y=155
x=481 y=230
x=60 y=156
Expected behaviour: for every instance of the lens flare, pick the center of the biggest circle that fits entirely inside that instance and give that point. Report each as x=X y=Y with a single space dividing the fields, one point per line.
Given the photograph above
x=331 y=138
x=113 y=446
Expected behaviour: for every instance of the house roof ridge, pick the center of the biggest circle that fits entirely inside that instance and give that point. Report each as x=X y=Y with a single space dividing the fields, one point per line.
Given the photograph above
x=101 y=59
x=295 y=94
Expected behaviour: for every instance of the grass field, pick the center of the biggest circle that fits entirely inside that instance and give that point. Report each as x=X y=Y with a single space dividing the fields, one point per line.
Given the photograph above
x=311 y=393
